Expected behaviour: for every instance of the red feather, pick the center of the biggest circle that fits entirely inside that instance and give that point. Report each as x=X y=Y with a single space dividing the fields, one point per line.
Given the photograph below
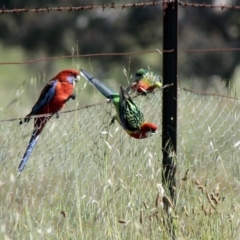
x=146 y=129
x=52 y=99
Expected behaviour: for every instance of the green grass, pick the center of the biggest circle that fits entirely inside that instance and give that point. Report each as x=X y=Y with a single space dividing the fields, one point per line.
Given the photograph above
x=88 y=180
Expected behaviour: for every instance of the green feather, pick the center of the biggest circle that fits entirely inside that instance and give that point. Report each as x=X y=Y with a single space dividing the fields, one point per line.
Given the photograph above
x=128 y=113
x=150 y=77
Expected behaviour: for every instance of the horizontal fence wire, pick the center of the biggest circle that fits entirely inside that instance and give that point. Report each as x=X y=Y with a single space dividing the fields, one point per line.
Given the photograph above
x=216 y=50
x=80 y=8
x=115 y=6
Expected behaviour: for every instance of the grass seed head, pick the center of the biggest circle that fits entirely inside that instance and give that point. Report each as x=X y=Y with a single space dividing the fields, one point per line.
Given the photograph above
x=196 y=182
x=184 y=209
x=185 y=175
x=122 y=221
x=167 y=204
x=160 y=189
x=230 y=217
x=141 y=217
x=214 y=198
x=210 y=201
x=145 y=205
x=63 y=213
x=202 y=188
x=159 y=201
x=194 y=211
x=234 y=208
x=153 y=215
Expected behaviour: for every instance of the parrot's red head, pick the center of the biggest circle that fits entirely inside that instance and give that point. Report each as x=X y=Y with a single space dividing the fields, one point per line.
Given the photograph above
x=69 y=75
x=147 y=130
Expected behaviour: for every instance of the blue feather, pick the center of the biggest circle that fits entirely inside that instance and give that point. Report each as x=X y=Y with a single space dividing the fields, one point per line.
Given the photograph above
x=33 y=141
x=45 y=97
x=106 y=91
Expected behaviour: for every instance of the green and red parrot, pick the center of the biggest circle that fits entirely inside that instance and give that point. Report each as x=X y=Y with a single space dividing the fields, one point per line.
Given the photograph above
x=145 y=81
x=128 y=114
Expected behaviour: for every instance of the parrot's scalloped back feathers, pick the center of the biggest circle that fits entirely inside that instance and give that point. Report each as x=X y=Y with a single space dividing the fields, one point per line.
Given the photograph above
x=131 y=116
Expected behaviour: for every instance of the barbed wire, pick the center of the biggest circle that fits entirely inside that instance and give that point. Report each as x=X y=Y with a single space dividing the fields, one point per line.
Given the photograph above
x=114 y=6
x=118 y=54
x=204 y=5
x=197 y=92
x=79 y=8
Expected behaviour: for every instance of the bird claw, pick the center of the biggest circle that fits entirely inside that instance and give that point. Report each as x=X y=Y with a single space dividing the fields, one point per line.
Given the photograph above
x=144 y=94
x=112 y=121
x=57 y=115
x=73 y=96
x=24 y=120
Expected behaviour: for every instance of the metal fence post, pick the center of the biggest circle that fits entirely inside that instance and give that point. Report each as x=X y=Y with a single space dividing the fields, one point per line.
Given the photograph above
x=169 y=105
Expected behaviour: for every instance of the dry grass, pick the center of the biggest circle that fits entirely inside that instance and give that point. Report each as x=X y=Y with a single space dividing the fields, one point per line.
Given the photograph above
x=88 y=180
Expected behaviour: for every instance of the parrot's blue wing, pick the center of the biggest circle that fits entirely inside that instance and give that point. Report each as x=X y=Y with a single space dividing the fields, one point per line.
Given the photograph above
x=46 y=96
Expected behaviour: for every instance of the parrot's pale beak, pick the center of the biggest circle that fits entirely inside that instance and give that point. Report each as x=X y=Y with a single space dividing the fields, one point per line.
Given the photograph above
x=151 y=133
x=77 y=78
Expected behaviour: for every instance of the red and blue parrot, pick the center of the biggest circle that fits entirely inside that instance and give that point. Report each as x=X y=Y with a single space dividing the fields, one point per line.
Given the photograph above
x=51 y=100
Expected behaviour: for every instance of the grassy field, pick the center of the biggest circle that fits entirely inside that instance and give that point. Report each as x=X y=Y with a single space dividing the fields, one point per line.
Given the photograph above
x=88 y=180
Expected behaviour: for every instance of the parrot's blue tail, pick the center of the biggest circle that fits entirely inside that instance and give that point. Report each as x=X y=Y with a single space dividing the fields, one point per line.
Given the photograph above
x=106 y=91
x=33 y=141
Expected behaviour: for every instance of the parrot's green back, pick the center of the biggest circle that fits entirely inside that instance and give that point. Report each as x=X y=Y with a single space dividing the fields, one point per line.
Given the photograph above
x=131 y=116
x=128 y=113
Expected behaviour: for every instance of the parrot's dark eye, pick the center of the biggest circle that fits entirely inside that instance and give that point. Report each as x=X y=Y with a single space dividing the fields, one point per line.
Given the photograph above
x=138 y=74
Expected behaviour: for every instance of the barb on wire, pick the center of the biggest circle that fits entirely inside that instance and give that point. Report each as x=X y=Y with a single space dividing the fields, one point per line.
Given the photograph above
x=114 y=6
x=79 y=8
x=204 y=5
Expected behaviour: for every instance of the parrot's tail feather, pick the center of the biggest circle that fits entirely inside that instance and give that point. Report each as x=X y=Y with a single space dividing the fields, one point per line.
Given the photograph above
x=33 y=141
x=107 y=92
